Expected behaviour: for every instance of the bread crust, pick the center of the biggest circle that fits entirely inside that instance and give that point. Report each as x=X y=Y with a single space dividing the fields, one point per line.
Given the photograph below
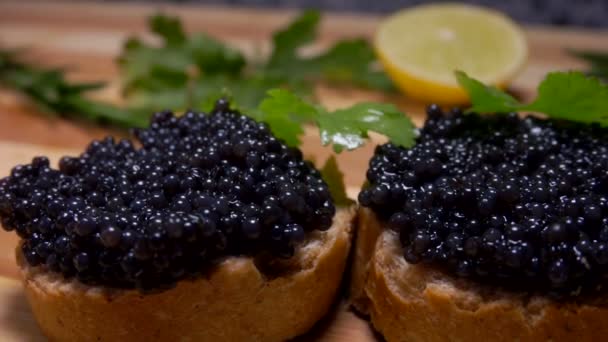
x=235 y=301
x=409 y=302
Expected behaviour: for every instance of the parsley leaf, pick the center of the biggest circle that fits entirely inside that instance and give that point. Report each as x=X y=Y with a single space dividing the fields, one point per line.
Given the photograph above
x=597 y=60
x=486 y=98
x=49 y=89
x=201 y=67
x=146 y=68
x=281 y=101
x=572 y=96
x=192 y=70
x=562 y=95
x=344 y=128
x=334 y=178
x=179 y=58
x=286 y=42
x=351 y=61
x=347 y=128
x=170 y=29
x=284 y=112
x=246 y=93
x=347 y=62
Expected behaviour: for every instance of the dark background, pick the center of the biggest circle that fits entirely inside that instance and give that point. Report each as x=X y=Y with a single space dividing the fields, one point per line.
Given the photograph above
x=584 y=13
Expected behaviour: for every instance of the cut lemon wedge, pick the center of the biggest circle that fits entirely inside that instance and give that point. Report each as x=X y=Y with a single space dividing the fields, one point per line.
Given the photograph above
x=421 y=47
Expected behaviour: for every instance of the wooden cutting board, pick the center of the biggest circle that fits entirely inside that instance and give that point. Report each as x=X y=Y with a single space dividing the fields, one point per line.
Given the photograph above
x=88 y=36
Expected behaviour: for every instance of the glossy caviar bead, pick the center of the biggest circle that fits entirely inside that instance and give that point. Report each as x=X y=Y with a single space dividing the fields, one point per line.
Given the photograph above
x=499 y=198
x=200 y=187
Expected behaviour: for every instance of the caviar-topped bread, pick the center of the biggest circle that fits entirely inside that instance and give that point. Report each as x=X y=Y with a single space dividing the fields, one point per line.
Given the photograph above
x=491 y=228
x=209 y=228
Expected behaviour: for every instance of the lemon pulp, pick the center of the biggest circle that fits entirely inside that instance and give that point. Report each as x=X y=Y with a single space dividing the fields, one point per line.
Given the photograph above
x=421 y=48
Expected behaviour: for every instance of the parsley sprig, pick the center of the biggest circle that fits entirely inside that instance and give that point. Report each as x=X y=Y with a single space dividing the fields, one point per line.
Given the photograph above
x=571 y=96
x=345 y=128
x=597 y=60
x=284 y=111
x=191 y=71
x=49 y=89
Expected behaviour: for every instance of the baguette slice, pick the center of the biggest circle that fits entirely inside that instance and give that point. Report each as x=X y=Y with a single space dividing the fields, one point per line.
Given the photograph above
x=235 y=301
x=409 y=302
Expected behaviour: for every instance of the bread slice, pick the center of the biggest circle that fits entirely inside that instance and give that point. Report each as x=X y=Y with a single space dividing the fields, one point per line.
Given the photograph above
x=235 y=301
x=409 y=302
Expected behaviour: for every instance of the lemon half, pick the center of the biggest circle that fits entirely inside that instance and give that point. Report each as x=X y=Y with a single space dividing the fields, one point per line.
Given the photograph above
x=421 y=47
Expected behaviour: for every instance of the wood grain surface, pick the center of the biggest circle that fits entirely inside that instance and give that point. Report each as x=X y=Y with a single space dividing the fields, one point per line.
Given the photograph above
x=87 y=37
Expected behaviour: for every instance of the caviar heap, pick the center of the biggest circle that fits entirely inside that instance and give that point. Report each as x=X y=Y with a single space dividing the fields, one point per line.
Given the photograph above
x=499 y=198
x=201 y=187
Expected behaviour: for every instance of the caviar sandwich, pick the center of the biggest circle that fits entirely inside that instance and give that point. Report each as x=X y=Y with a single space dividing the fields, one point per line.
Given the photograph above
x=492 y=227
x=212 y=228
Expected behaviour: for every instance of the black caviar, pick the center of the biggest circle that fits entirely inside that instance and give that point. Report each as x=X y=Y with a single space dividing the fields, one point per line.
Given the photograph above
x=519 y=201
x=200 y=187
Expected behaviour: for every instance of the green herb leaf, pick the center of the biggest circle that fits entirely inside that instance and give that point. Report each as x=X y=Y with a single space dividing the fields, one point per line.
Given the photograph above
x=334 y=178
x=150 y=70
x=245 y=94
x=204 y=68
x=170 y=29
x=105 y=113
x=345 y=128
x=51 y=91
x=347 y=62
x=563 y=95
x=213 y=57
x=192 y=71
x=281 y=102
x=598 y=62
x=572 y=96
x=180 y=60
x=284 y=112
x=486 y=98
x=301 y=31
